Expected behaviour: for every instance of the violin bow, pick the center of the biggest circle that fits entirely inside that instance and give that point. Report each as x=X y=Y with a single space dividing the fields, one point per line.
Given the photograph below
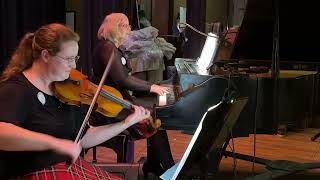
x=94 y=100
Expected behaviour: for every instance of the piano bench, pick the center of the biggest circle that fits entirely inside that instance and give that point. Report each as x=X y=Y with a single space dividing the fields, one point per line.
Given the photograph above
x=121 y=144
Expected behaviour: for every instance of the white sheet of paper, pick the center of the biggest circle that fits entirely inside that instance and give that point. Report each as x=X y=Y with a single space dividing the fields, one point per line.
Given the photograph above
x=173 y=172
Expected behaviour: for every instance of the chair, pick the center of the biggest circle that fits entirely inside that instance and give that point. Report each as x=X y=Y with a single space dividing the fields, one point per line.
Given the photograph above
x=121 y=144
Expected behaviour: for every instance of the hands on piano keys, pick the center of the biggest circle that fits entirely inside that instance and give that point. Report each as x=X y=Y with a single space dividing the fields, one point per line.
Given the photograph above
x=170 y=97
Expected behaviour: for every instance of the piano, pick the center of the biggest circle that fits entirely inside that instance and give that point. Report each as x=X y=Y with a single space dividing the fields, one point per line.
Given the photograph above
x=296 y=69
x=194 y=96
x=252 y=51
x=276 y=68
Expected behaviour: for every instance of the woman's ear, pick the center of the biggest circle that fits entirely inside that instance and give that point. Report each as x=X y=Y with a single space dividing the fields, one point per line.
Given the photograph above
x=45 y=55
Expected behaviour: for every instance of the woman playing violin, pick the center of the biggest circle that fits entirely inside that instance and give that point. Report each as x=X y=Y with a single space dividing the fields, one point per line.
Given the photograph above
x=37 y=132
x=113 y=32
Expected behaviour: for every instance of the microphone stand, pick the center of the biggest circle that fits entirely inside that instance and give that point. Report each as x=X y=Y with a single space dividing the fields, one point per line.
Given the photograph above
x=275 y=71
x=278 y=168
x=315 y=137
x=197 y=31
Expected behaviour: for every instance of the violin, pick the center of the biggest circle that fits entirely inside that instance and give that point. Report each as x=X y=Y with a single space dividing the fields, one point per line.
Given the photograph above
x=77 y=90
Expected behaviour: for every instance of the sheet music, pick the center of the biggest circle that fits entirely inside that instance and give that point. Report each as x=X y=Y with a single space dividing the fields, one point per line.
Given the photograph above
x=173 y=172
x=208 y=52
x=201 y=65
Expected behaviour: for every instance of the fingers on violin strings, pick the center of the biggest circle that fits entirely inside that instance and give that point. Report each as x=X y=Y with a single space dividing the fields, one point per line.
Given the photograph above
x=134 y=106
x=137 y=109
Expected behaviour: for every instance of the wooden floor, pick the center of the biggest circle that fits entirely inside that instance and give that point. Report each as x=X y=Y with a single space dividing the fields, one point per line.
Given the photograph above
x=296 y=146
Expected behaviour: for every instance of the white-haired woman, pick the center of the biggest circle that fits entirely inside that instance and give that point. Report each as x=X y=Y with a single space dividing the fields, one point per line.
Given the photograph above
x=112 y=33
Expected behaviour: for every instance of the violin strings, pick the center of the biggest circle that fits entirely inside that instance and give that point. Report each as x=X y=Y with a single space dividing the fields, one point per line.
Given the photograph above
x=81 y=130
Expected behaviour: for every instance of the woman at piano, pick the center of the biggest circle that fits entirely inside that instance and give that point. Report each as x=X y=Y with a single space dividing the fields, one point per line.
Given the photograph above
x=113 y=32
x=37 y=131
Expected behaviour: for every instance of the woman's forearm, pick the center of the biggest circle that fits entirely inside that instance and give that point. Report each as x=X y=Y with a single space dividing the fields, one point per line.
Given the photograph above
x=133 y=84
x=97 y=135
x=14 y=138
x=100 y=134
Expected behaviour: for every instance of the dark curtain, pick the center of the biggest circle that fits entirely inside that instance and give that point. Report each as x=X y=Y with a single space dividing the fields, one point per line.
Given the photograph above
x=92 y=17
x=20 y=16
x=196 y=17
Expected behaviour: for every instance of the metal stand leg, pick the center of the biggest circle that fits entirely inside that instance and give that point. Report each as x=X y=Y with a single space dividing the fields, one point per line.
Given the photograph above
x=275 y=168
x=315 y=137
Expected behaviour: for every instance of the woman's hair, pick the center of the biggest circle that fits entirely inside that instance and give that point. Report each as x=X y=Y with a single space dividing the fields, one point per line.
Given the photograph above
x=109 y=29
x=48 y=37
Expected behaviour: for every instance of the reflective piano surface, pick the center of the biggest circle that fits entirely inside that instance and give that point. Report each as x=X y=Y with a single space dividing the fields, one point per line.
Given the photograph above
x=192 y=102
x=296 y=97
x=297 y=91
x=187 y=109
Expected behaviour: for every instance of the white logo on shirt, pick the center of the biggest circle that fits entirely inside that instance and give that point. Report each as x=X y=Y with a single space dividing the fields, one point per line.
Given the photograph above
x=123 y=61
x=41 y=98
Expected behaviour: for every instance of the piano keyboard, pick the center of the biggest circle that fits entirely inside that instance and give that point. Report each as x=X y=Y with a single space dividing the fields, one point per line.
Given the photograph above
x=191 y=68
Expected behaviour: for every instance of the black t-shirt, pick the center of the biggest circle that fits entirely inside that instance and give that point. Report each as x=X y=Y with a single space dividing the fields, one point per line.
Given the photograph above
x=118 y=76
x=24 y=105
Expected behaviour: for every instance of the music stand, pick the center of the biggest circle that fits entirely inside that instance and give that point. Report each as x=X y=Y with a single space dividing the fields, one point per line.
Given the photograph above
x=208 y=139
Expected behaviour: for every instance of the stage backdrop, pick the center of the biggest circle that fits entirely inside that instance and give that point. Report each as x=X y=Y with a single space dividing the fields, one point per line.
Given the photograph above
x=93 y=13
x=20 y=16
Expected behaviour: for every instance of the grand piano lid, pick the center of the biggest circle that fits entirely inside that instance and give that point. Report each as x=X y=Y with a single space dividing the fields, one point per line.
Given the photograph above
x=298 y=38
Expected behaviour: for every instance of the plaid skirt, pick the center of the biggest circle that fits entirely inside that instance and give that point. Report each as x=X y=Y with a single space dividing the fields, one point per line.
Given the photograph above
x=79 y=170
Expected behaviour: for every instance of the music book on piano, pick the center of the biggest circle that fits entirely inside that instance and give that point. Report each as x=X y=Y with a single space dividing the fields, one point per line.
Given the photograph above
x=201 y=65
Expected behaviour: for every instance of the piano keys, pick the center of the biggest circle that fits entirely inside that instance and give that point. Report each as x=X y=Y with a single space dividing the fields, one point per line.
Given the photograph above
x=171 y=97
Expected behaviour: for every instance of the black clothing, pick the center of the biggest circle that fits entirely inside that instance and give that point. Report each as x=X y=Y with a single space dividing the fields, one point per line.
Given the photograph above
x=24 y=105
x=159 y=153
x=118 y=76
